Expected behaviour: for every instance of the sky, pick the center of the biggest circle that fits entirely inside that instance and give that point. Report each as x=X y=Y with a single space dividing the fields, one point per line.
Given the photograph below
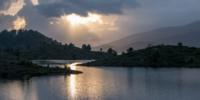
x=95 y=22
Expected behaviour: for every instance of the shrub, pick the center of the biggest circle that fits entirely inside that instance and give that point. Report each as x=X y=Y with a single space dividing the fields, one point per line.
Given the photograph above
x=12 y=63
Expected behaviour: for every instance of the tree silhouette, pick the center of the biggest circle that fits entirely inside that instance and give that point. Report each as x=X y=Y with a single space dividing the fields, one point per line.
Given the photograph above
x=129 y=50
x=149 y=45
x=114 y=52
x=180 y=44
x=84 y=46
x=89 y=47
x=110 y=50
x=71 y=45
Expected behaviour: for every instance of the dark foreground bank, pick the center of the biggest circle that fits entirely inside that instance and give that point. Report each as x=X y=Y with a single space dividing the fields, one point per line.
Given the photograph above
x=154 y=56
x=13 y=66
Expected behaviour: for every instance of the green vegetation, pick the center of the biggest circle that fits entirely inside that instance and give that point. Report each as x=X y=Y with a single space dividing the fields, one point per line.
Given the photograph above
x=154 y=56
x=32 y=45
x=11 y=65
x=22 y=39
x=59 y=51
x=18 y=47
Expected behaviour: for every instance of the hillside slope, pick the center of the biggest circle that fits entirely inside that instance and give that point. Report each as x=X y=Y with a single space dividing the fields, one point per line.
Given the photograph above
x=154 y=56
x=150 y=37
x=22 y=39
x=190 y=39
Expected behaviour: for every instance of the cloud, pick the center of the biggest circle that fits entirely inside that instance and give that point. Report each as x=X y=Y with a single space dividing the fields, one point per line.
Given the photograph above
x=63 y=31
x=58 y=9
x=119 y=23
x=19 y=23
x=47 y=1
x=5 y=4
x=11 y=22
x=82 y=7
x=6 y=21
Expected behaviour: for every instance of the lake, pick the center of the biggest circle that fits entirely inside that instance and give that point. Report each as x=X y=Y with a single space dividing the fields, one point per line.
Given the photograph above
x=105 y=83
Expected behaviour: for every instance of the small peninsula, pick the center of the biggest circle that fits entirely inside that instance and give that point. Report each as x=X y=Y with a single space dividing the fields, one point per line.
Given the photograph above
x=11 y=65
x=154 y=56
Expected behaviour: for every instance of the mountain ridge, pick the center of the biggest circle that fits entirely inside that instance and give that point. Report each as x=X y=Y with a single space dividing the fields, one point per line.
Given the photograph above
x=152 y=36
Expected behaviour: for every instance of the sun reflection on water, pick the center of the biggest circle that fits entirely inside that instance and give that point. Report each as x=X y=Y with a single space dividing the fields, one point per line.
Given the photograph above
x=73 y=81
x=73 y=86
x=73 y=66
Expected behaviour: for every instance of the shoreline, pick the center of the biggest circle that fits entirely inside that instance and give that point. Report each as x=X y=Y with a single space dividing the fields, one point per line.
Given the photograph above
x=133 y=66
x=41 y=74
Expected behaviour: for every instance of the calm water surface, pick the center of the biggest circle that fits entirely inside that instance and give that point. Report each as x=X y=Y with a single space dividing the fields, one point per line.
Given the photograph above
x=106 y=83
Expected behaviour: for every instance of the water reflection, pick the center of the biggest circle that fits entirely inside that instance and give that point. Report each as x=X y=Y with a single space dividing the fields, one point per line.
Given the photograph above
x=73 y=66
x=59 y=63
x=73 y=81
x=18 y=90
x=73 y=86
x=130 y=77
x=107 y=83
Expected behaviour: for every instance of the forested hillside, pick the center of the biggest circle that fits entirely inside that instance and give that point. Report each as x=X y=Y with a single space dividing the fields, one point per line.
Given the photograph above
x=29 y=45
x=154 y=56
x=22 y=39
x=59 y=51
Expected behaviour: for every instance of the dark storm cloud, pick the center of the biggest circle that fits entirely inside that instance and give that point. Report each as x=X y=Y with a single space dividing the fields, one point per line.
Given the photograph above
x=57 y=9
x=82 y=7
x=47 y=1
x=5 y=4
x=33 y=19
x=6 y=21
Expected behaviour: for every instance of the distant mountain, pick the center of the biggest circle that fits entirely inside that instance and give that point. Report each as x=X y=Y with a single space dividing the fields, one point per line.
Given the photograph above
x=22 y=39
x=191 y=39
x=140 y=40
x=106 y=47
x=138 y=45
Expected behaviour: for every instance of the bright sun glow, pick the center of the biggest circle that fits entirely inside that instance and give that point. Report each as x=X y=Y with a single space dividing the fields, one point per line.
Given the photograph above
x=19 y=23
x=76 y=19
